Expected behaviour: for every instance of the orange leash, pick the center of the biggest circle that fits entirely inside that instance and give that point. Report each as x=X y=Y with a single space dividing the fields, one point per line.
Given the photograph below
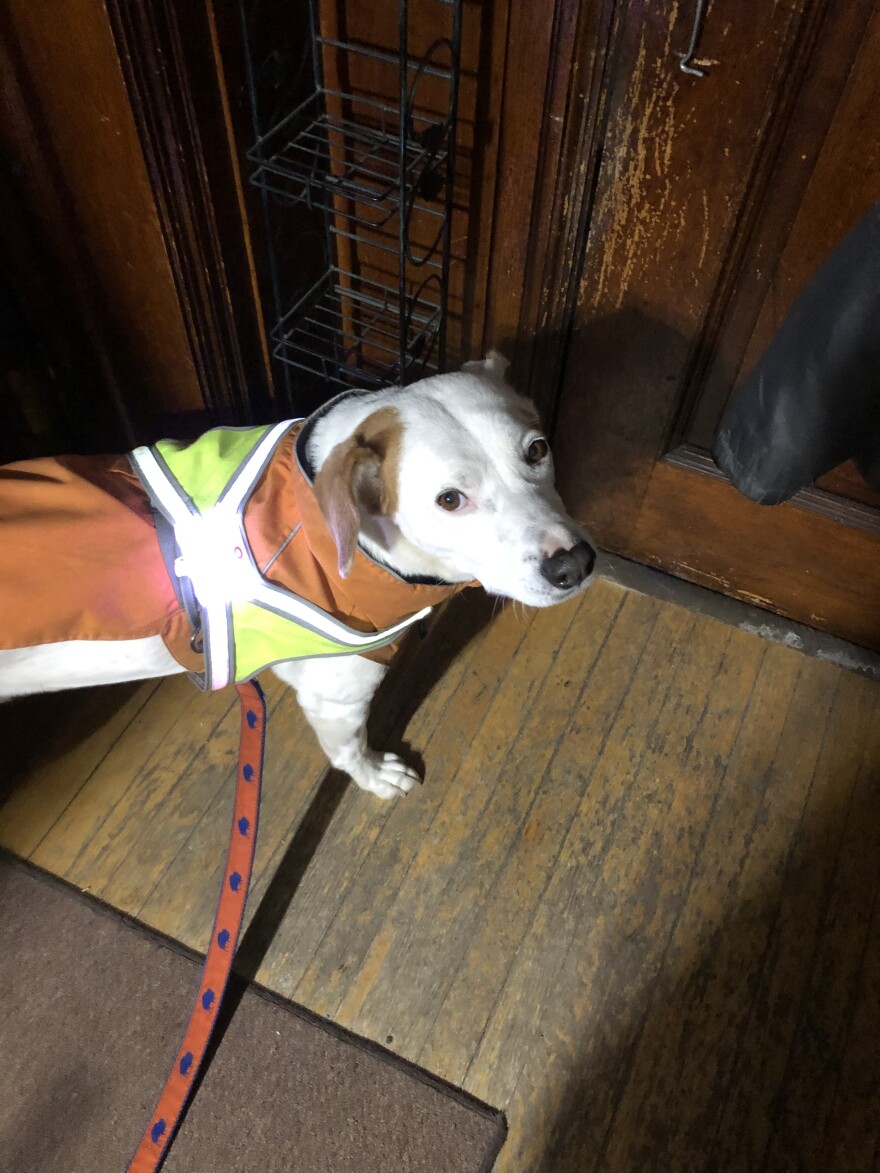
x=224 y=936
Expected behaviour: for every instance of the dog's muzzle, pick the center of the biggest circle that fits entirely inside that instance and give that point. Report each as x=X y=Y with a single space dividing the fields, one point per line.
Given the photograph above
x=569 y=568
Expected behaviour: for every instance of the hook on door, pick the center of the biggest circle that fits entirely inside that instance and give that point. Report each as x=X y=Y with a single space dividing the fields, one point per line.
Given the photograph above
x=686 y=57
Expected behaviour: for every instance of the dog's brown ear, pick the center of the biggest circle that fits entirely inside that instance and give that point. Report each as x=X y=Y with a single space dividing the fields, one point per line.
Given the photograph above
x=335 y=488
x=360 y=474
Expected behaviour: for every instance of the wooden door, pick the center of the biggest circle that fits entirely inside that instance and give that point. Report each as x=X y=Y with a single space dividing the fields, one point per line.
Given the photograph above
x=651 y=229
x=122 y=234
x=716 y=199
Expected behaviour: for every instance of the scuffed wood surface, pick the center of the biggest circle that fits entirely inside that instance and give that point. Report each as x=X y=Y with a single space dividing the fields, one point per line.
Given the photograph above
x=634 y=903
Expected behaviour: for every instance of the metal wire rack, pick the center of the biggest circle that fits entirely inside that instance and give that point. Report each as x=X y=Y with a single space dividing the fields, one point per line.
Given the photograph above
x=316 y=158
x=379 y=171
x=346 y=331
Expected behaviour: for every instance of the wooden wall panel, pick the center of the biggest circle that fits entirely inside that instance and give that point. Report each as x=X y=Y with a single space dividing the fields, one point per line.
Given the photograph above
x=68 y=127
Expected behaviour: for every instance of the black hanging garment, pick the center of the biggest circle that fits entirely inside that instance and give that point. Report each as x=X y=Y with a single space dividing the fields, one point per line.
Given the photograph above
x=813 y=400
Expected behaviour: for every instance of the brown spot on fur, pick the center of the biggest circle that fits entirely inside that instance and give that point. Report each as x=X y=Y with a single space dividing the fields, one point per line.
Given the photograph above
x=382 y=434
x=360 y=473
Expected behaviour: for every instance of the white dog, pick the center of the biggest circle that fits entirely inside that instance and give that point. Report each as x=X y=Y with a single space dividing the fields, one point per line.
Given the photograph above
x=460 y=489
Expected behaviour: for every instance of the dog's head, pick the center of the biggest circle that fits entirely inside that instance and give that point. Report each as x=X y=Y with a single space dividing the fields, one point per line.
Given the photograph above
x=451 y=477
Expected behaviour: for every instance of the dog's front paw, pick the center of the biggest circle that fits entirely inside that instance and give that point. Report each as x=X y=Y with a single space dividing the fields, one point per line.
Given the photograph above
x=384 y=774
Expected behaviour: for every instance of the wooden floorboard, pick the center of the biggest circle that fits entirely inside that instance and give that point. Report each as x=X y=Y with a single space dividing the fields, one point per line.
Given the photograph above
x=55 y=752
x=634 y=904
x=690 y=1033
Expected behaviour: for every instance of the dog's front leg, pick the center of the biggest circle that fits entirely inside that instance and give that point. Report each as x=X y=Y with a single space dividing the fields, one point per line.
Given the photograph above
x=335 y=694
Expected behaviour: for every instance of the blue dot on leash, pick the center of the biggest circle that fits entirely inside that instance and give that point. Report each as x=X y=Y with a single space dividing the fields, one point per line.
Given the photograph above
x=247 y=772
x=252 y=718
x=235 y=881
x=207 y=999
x=157 y=1131
x=223 y=938
x=243 y=826
x=186 y=1063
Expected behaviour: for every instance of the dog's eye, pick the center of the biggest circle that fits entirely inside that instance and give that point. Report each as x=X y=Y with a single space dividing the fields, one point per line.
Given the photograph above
x=537 y=450
x=451 y=499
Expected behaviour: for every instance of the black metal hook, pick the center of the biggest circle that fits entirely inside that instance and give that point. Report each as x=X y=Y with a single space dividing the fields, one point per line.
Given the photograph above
x=687 y=56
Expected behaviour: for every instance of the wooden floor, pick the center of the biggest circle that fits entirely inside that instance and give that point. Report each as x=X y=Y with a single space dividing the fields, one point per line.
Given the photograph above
x=634 y=903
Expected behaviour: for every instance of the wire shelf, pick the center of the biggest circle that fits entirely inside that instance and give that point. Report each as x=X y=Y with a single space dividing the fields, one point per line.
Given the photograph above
x=318 y=158
x=346 y=331
x=378 y=171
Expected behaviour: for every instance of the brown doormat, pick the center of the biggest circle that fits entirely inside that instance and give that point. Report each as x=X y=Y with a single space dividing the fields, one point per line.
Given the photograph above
x=92 y=1009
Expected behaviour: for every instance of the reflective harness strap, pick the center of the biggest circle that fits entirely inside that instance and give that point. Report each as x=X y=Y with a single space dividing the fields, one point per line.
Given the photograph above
x=224 y=936
x=216 y=558
x=214 y=550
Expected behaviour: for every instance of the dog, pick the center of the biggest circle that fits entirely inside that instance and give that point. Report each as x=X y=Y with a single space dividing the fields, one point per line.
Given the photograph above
x=430 y=488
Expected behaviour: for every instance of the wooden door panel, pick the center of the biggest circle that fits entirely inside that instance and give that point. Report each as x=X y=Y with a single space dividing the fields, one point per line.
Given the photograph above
x=656 y=246
x=842 y=184
x=117 y=157
x=715 y=199
x=68 y=131
x=846 y=481
x=787 y=558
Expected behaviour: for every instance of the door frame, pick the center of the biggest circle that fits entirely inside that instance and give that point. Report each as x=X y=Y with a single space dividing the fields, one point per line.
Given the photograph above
x=170 y=60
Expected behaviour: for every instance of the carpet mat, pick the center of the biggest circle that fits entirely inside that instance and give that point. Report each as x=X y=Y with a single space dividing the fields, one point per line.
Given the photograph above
x=92 y=1009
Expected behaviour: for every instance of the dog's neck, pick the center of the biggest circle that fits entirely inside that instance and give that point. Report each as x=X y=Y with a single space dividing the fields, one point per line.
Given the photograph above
x=384 y=542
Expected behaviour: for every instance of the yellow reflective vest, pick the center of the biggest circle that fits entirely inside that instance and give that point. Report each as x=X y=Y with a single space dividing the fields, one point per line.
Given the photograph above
x=246 y=543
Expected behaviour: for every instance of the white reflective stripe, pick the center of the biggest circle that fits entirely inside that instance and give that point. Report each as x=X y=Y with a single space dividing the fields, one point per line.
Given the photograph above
x=215 y=627
x=227 y=535
x=325 y=624
x=172 y=504
x=244 y=480
x=216 y=644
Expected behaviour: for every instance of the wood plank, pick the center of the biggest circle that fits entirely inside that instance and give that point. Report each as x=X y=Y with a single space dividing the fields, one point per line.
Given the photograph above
x=850 y=806
x=583 y=1003
x=461 y=705
x=634 y=903
x=854 y=1124
x=305 y=816
x=170 y=857
x=819 y=570
x=180 y=899
x=128 y=832
x=466 y=837
x=640 y=885
x=184 y=901
x=751 y=1107
x=90 y=807
x=680 y=1067
x=602 y=735
x=178 y=867
x=52 y=764
x=347 y=822
x=591 y=672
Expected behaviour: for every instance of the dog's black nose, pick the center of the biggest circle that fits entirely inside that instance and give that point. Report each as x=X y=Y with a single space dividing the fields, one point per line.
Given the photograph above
x=568 y=568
